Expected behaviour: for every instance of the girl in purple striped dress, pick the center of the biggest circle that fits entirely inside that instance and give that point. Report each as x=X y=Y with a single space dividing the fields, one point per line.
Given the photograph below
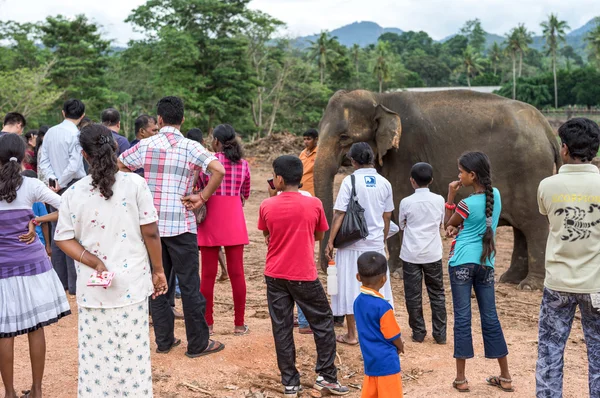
x=31 y=295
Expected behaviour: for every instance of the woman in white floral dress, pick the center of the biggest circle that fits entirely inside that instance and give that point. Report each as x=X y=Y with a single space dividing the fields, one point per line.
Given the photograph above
x=107 y=222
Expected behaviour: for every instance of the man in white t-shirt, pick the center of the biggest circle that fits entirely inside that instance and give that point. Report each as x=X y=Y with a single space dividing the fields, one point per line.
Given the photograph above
x=421 y=216
x=571 y=201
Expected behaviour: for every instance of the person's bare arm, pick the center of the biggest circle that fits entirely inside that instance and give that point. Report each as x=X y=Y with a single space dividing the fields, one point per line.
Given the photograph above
x=153 y=245
x=336 y=224
x=387 y=217
x=267 y=236
x=399 y=344
x=122 y=167
x=50 y=217
x=46 y=233
x=319 y=235
x=73 y=249
x=195 y=201
x=453 y=189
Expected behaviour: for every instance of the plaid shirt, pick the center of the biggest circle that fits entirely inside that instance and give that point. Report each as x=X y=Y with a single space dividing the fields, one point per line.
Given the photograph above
x=169 y=160
x=236 y=181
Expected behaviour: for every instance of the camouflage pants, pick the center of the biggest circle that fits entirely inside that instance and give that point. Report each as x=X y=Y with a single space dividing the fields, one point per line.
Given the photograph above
x=556 y=318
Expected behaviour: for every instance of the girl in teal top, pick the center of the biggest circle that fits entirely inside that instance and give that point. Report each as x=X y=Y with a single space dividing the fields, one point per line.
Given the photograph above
x=473 y=223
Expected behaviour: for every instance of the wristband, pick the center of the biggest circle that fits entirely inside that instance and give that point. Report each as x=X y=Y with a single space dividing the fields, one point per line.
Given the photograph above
x=35 y=222
x=202 y=196
x=450 y=206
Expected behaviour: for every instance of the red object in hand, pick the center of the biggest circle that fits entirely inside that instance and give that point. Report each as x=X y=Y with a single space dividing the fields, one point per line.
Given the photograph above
x=450 y=206
x=35 y=222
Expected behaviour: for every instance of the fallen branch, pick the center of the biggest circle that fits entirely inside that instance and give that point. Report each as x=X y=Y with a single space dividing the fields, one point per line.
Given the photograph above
x=196 y=388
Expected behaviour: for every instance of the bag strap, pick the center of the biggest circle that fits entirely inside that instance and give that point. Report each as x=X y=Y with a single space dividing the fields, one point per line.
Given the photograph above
x=353 y=186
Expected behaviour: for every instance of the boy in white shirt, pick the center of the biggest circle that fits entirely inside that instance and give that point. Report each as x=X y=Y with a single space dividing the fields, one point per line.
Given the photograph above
x=421 y=216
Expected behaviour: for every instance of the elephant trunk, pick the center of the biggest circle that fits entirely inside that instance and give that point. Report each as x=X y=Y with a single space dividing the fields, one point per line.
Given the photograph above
x=326 y=167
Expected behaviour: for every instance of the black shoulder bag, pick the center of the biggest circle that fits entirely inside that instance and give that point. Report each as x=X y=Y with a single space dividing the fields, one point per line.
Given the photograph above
x=354 y=227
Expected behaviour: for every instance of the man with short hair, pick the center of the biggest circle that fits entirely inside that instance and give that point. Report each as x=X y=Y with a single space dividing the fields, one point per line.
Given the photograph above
x=145 y=126
x=571 y=201
x=14 y=123
x=111 y=118
x=169 y=160
x=61 y=161
x=308 y=157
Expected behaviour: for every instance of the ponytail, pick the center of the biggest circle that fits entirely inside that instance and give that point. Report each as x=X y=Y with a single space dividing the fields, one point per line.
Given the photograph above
x=225 y=134
x=100 y=146
x=12 y=152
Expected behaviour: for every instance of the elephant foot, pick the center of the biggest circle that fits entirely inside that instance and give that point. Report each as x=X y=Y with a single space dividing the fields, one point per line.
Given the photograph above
x=531 y=283
x=514 y=275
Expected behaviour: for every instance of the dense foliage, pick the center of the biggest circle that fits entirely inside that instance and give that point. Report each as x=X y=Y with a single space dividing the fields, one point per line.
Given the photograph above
x=231 y=66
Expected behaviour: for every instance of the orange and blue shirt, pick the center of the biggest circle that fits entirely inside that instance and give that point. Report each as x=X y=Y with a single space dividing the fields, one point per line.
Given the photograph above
x=377 y=329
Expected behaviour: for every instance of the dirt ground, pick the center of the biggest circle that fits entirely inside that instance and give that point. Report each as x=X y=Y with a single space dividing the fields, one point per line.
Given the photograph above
x=248 y=368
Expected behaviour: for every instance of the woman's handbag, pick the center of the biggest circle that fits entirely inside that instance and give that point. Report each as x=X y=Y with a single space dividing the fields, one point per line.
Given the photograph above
x=200 y=213
x=354 y=227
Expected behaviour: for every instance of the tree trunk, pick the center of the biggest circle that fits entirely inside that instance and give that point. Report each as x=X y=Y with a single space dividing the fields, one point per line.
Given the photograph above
x=495 y=68
x=520 y=63
x=322 y=71
x=468 y=80
x=514 y=76
x=555 y=84
x=357 y=76
x=380 y=85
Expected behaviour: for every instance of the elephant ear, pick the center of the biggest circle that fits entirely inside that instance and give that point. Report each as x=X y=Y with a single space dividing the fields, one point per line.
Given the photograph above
x=389 y=129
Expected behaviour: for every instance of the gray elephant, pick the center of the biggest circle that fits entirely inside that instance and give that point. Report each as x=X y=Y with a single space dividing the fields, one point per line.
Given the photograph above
x=404 y=128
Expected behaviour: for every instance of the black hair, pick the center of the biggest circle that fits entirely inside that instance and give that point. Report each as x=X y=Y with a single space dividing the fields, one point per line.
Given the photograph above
x=371 y=265
x=290 y=168
x=40 y=139
x=13 y=147
x=582 y=138
x=312 y=133
x=110 y=117
x=422 y=173
x=196 y=135
x=12 y=118
x=225 y=134
x=361 y=153
x=142 y=122
x=101 y=148
x=31 y=133
x=479 y=163
x=86 y=121
x=73 y=108
x=43 y=130
x=171 y=110
x=29 y=173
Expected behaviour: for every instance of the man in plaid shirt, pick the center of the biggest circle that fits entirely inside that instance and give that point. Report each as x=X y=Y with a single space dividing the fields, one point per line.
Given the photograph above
x=169 y=160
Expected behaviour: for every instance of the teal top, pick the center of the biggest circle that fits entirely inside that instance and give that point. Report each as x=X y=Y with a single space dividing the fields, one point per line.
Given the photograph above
x=468 y=245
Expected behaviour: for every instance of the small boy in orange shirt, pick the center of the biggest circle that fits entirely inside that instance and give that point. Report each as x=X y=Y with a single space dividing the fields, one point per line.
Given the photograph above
x=378 y=332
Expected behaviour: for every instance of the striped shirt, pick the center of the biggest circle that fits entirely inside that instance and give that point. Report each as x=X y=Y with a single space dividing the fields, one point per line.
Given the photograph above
x=236 y=181
x=169 y=160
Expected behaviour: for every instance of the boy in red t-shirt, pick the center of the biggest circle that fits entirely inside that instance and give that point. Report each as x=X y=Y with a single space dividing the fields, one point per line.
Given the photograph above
x=291 y=223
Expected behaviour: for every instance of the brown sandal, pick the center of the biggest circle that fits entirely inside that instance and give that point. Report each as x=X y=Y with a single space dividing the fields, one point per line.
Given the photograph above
x=496 y=381
x=213 y=347
x=457 y=383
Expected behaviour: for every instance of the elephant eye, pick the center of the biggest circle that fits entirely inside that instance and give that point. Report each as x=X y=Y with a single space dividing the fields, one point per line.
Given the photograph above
x=344 y=137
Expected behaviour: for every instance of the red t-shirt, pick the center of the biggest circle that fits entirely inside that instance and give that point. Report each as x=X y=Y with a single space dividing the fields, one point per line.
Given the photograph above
x=292 y=220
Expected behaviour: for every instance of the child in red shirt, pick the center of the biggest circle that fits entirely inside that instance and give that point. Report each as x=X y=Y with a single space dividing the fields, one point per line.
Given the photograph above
x=291 y=223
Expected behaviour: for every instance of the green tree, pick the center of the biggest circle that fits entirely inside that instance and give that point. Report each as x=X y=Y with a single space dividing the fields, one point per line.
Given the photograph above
x=495 y=56
x=513 y=46
x=382 y=64
x=587 y=89
x=593 y=39
x=570 y=54
x=473 y=31
x=472 y=63
x=321 y=50
x=356 y=51
x=554 y=33
x=525 y=38
x=434 y=71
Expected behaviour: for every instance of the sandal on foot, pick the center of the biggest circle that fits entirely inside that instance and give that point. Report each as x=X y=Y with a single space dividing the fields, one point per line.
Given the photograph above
x=213 y=347
x=457 y=383
x=342 y=338
x=243 y=332
x=496 y=381
x=168 y=350
x=26 y=393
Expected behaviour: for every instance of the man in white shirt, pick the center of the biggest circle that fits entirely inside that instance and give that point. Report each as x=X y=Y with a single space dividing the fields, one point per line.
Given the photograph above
x=421 y=216
x=61 y=162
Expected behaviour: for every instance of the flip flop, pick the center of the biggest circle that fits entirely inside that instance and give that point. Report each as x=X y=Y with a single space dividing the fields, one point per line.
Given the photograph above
x=344 y=340
x=26 y=393
x=496 y=381
x=209 y=350
x=457 y=383
x=246 y=331
x=168 y=350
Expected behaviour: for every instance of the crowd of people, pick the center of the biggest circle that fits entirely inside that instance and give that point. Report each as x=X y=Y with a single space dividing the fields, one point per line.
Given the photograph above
x=81 y=207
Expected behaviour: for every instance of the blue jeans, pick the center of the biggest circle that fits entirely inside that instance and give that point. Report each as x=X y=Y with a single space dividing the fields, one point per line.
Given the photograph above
x=302 y=322
x=463 y=278
x=556 y=318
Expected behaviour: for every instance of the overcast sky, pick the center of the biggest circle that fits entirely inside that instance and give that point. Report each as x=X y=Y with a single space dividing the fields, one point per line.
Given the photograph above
x=440 y=18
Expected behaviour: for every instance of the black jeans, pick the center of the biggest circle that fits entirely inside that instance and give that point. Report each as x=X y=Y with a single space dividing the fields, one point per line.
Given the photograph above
x=311 y=298
x=180 y=256
x=413 y=292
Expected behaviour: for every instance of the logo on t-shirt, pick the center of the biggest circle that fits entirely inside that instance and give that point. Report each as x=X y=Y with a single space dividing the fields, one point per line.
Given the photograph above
x=370 y=181
x=575 y=226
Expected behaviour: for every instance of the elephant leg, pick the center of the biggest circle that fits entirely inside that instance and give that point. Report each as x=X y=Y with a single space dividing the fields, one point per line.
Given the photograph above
x=537 y=235
x=519 y=262
x=394 y=244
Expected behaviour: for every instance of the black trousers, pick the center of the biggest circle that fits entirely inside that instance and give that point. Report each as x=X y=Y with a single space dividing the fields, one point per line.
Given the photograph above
x=311 y=298
x=63 y=265
x=413 y=291
x=180 y=256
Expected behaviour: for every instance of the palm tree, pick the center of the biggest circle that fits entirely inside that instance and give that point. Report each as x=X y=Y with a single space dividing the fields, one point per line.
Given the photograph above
x=525 y=39
x=513 y=45
x=382 y=64
x=356 y=58
x=495 y=55
x=472 y=62
x=554 y=33
x=593 y=39
x=322 y=51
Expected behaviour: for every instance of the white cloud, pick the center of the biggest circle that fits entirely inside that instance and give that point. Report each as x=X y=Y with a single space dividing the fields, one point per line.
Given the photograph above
x=439 y=18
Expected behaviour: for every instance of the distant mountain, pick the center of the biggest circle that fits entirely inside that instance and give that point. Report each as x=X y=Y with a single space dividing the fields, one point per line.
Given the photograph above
x=585 y=29
x=361 y=33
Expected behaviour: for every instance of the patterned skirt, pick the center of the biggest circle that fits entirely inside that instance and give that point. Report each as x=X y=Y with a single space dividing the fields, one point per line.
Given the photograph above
x=114 y=352
x=28 y=303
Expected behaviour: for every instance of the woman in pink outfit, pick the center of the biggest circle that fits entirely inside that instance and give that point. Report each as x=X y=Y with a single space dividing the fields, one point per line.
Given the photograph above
x=225 y=225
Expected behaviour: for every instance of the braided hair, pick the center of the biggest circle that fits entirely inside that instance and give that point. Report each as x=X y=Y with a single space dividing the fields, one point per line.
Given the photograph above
x=101 y=148
x=479 y=163
x=225 y=134
x=12 y=153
